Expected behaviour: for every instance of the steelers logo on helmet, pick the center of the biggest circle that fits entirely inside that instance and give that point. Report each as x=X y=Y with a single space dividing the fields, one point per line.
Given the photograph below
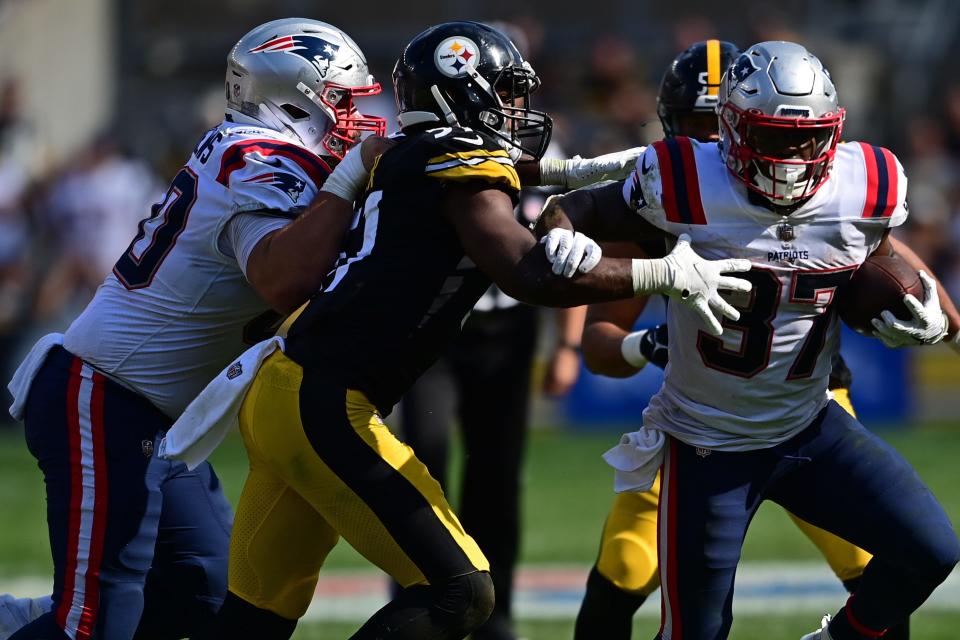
x=454 y=56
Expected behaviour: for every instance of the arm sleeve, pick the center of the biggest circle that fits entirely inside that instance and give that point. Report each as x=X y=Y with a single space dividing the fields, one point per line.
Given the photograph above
x=243 y=232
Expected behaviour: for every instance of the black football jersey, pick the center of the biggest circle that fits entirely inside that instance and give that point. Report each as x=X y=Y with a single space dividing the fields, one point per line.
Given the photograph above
x=402 y=285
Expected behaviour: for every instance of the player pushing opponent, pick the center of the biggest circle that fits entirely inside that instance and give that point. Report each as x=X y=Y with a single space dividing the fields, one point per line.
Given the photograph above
x=745 y=417
x=139 y=543
x=433 y=227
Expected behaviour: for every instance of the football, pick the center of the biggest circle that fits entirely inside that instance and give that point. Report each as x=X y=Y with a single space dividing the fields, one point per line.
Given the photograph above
x=879 y=284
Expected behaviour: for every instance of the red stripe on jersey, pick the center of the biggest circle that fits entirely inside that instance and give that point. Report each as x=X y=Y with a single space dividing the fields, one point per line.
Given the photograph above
x=76 y=492
x=91 y=604
x=692 y=181
x=870 y=162
x=892 y=186
x=234 y=158
x=669 y=195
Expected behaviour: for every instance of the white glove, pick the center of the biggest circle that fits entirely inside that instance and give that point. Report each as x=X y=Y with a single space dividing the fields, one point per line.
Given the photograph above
x=570 y=252
x=929 y=323
x=693 y=281
x=349 y=178
x=579 y=172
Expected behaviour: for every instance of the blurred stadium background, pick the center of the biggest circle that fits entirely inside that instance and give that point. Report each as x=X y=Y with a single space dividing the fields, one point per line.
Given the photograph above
x=100 y=100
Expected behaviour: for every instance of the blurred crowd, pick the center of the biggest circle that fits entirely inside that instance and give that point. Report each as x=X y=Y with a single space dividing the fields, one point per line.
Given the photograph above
x=62 y=225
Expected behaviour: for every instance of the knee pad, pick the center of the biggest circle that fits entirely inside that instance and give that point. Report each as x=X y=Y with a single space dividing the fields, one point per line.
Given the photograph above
x=468 y=599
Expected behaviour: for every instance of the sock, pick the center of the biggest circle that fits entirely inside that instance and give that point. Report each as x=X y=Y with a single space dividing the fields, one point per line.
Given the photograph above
x=607 y=611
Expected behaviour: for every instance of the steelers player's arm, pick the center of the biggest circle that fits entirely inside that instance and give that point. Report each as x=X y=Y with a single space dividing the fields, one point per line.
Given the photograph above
x=483 y=220
x=288 y=265
x=600 y=213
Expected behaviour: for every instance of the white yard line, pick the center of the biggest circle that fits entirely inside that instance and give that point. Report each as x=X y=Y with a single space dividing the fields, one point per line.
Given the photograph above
x=554 y=592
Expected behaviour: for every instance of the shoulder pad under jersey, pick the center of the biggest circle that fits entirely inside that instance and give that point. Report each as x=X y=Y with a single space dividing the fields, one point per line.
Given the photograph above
x=465 y=155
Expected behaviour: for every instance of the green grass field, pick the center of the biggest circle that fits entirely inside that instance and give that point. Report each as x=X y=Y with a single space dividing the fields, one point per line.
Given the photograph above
x=568 y=490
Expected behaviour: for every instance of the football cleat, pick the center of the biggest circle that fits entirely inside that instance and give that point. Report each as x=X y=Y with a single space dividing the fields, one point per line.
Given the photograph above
x=821 y=634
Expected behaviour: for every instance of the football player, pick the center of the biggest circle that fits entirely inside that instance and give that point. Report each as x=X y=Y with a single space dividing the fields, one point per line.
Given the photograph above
x=745 y=417
x=140 y=544
x=625 y=572
x=433 y=227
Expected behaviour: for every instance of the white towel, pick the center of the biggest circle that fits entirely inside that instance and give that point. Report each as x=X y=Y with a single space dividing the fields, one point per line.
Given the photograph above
x=215 y=411
x=636 y=460
x=19 y=385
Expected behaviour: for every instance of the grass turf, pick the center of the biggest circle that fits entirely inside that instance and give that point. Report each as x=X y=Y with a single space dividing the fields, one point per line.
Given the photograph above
x=568 y=491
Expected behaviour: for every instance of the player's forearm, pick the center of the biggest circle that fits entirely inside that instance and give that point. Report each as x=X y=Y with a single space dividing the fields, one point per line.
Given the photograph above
x=598 y=212
x=948 y=306
x=532 y=281
x=289 y=265
x=602 y=351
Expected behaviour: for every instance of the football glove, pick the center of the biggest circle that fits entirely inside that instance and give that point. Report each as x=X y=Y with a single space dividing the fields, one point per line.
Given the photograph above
x=580 y=172
x=693 y=282
x=928 y=325
x=570 y=252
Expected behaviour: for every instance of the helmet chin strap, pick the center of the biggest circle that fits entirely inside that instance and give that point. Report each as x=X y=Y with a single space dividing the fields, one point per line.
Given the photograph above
x=444 y=106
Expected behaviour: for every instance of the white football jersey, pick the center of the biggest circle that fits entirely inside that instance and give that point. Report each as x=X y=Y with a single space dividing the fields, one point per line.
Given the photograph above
x=765 y=378
x=171 y=315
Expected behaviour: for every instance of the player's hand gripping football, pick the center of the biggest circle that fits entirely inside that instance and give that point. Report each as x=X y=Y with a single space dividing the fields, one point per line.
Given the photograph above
x=928 y=325
x=570 y=252
x=580 y=172
x=693 y=281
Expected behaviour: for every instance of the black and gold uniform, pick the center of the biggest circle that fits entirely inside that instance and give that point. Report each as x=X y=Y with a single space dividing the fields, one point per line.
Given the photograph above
x=403 y=285
x=322 y=462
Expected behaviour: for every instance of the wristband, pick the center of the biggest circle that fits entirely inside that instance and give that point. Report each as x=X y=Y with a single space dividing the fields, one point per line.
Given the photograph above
x=349 y=178
x=553 y=171
x=630 y=349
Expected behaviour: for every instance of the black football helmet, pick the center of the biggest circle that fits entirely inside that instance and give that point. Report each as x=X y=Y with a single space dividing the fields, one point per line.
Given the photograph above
x=471 y=75
x=688 y=94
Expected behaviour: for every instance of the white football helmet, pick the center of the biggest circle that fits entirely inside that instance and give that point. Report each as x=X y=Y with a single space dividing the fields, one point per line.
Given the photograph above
x=779 y=121
x=300 y=76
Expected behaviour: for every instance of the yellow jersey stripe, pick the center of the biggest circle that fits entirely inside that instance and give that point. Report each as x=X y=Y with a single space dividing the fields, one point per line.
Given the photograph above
x=713 y=67
x=466 y=155
x=485 y=171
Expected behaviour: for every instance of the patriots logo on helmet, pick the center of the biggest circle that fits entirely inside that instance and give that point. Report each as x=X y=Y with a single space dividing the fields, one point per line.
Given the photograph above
x=742 y=69
x=314 y=49
x=285 y=182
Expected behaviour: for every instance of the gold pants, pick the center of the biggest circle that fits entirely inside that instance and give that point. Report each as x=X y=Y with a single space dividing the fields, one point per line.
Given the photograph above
x=324 y=465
